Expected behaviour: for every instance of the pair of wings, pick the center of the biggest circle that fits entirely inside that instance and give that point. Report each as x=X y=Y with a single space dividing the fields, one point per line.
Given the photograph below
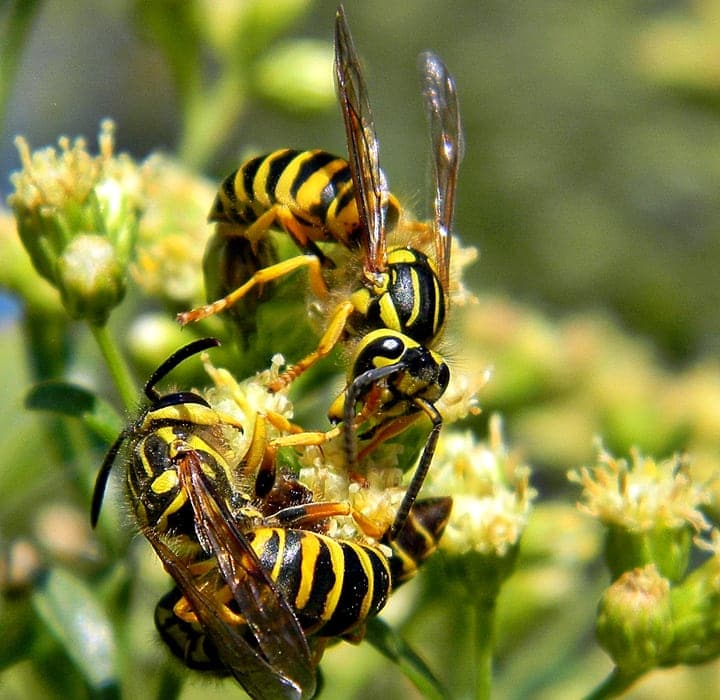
x=280 y=665
x=441 y=106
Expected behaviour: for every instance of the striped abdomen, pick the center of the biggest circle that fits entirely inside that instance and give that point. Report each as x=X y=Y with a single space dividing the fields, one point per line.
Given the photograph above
x=332 y=585
x=310 y=193
x=418 y=538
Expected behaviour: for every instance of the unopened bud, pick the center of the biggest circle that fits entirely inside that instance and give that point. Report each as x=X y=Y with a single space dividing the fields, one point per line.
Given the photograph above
x=90 y=278
x=635 y=620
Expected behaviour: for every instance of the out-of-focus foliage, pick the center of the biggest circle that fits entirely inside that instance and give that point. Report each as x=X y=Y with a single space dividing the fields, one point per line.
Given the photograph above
x=591 y=185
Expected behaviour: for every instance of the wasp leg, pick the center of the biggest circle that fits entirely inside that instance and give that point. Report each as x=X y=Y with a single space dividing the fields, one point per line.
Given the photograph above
x=307 y=514
x=184 y=610
x=298 y=435
x=293 y=224
x=328 y=341
x=306 y=438
x=368 y=526
x=263 y=276
x=304 y=232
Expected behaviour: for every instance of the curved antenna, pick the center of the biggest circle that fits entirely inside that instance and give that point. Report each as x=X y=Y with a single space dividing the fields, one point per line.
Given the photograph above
x=161 y=372
x=173 y=361
x=371 y=191
x=102 y=477
x=443 y=112
x=361 y=384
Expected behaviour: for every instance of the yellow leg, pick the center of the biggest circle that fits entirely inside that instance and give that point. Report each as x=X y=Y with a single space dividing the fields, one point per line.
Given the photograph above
x=185 y=612
x=266 y=274
x=306 y=438
x=258 y=228
x=307 y=515
x=298 y=436
x=329 y=340
x=368 y=527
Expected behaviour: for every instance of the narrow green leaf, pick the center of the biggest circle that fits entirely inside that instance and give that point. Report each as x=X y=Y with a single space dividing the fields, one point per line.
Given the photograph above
x=72 y=615
x=76 y=402
x=391 y=645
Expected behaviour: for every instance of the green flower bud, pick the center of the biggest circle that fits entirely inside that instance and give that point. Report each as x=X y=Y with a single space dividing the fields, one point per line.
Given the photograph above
x=668 y=548
x=650 y=509
x=17 y=273
x=61 y=196
x=90 y=278
x=634 y=623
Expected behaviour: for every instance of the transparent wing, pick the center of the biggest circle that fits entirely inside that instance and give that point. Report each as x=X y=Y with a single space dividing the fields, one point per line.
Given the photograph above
x=284 y=668
x=443 y=111
x=250 y=669
x=370 y=188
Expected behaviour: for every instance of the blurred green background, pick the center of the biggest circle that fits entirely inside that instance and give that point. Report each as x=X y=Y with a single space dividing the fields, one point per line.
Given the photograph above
x=590 y=185
x=592 y=136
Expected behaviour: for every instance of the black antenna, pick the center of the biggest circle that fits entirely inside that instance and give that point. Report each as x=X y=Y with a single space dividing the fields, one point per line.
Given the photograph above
x=160 y=373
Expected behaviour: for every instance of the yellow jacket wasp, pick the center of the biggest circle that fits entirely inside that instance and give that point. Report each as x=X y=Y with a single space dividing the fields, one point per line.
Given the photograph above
x=397 y=308
x=259 y=588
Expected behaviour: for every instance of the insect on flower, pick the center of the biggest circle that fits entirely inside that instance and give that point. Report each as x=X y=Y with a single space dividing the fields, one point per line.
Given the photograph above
x=397 y=308
x=259 y=588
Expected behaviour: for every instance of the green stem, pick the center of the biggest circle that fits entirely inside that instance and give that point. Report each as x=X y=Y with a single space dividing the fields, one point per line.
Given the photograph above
x=615 y=684
x=482 y=615
x=119 y=371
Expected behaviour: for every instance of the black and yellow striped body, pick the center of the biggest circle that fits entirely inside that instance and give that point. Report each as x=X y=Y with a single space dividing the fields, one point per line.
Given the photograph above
x=160 y=436
x=310 y=193
x=408 y=298
x=332 y=585
x=192 y=477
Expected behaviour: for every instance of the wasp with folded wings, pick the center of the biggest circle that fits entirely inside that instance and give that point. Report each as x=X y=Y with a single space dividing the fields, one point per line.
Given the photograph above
x=259 y=589
x=391 y=316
